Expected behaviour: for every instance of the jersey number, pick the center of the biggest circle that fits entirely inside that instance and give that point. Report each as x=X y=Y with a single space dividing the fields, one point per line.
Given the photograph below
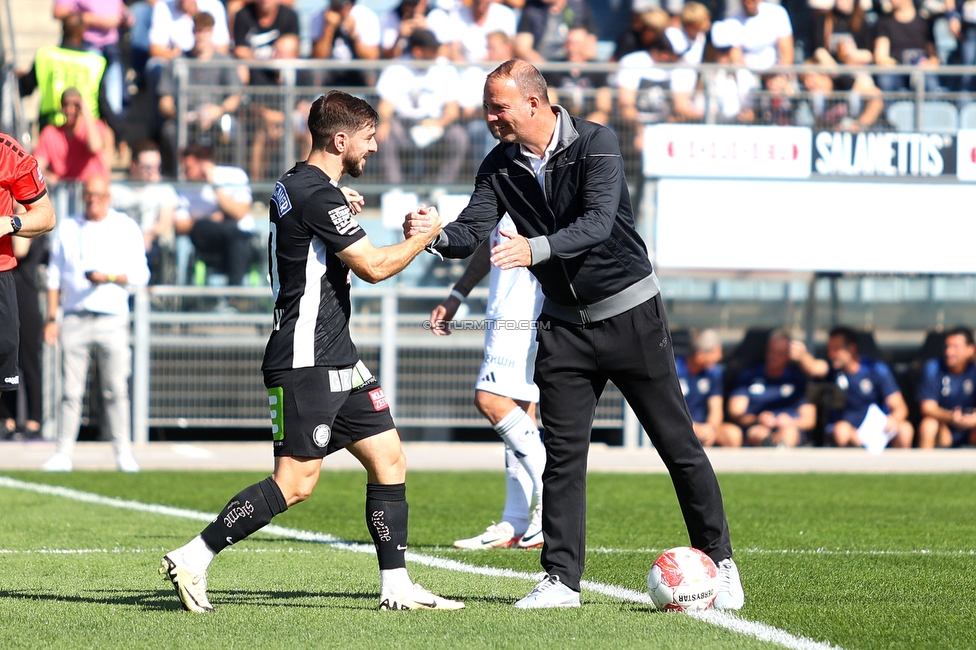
x=273 y=263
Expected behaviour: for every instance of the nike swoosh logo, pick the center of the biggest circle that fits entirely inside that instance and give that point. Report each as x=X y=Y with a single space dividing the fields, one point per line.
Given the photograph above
x=401 y=548
x=532 y=536
x=229 y=540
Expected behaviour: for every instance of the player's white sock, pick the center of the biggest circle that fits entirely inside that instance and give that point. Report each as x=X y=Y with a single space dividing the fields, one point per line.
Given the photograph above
x=521 y=436
x=518 y=493
x=394 y=581
x=196 y=554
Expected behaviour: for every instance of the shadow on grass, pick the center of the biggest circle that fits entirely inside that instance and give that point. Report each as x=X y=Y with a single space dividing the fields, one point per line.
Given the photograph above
x=159 y=600
x=165 y=599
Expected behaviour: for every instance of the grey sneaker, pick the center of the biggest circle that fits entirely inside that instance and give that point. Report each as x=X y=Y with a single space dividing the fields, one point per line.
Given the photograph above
x=549 y=593
x=730 y=594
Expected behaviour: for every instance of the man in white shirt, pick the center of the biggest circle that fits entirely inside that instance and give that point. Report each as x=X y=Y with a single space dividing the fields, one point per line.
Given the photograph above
x=95 y=255
x=171 y=31
x=215 y=213
x=767 y=35
x=419 y=108
x=470 y=26
x=151 y=203
x=346 y=31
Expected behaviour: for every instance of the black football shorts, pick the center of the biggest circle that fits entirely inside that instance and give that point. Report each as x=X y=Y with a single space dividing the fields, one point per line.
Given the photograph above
x=317 y=411
x=9 y=333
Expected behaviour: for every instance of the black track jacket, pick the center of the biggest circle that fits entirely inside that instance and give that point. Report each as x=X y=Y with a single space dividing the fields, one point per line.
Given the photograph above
x=586 y=252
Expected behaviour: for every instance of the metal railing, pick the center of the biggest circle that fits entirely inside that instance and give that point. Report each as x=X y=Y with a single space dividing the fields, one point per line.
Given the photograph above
x=202 y=368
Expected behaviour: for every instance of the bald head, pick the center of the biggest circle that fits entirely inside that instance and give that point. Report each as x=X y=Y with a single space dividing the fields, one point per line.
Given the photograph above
x=525 y=77
x=706 y=341
x=706 y=351
x=517 y=106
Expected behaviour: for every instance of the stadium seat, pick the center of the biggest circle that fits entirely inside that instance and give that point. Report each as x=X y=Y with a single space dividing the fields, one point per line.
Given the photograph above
x=937 y=117
x=967 y=116
x=908 y=378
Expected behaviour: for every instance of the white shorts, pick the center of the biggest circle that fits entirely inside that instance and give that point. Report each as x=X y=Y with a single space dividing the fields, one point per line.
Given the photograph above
x=509 y=365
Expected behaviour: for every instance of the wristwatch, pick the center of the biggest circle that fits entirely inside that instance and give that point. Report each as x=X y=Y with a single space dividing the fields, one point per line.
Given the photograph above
x=16 y=224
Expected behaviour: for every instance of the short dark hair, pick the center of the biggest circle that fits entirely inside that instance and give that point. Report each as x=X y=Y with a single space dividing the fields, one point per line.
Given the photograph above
x=143 y=146
x=203 y=20
x=338 y=112
x=848 y=334
x=198 y=151
x=424 y=39
x=526 y=76
x=962 y=331
x=661 y=44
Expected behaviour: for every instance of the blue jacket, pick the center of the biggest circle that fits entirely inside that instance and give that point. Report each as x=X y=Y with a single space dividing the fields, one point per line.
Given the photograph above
x=586 y=252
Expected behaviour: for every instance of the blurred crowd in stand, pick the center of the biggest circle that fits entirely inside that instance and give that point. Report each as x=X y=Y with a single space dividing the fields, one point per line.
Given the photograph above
x=111 y=84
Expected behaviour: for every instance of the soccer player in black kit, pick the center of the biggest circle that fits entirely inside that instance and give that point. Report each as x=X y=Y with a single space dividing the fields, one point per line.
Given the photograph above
x=321 y=395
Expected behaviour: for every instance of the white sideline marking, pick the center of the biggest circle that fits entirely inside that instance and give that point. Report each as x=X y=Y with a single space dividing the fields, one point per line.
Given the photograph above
x=722 y=619
x=134 y=551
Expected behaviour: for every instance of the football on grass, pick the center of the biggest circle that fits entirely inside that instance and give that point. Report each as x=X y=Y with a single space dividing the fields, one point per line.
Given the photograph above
x=683 y=580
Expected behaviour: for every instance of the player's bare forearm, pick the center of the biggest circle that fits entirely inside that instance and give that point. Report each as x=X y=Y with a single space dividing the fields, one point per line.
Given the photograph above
x=476 y=270
x=38 y=219
x=377 y=264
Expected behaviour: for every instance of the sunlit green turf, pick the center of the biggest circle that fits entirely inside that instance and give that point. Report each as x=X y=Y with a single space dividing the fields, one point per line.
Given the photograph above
x=852 y=561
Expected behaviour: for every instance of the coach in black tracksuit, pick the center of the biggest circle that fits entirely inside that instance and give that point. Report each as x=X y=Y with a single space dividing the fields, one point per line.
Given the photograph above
x=603 y=318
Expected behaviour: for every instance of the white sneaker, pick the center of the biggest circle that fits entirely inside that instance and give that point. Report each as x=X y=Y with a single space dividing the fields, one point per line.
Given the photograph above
x=58 y=463
x=549 y=593
x=730 y=594
x=191 y=586
x=418 y=598
x=533 y=534
x=500 y=535
x=127 y=462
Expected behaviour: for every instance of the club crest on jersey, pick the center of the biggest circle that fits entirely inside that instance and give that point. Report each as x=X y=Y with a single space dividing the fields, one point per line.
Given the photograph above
x=343 y=221
x=280 y=197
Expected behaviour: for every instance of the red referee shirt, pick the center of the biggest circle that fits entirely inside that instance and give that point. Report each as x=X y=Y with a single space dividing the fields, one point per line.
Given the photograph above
x=20 y=180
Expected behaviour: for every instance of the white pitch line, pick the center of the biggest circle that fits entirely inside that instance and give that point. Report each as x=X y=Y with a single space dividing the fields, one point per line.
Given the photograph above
x=722 y=619
x=132 y=551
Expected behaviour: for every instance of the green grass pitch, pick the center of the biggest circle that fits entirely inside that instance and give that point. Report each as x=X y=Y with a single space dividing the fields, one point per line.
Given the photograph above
x=850 y=561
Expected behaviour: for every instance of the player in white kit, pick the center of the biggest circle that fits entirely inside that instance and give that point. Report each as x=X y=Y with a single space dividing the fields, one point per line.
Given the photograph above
x=505 y=392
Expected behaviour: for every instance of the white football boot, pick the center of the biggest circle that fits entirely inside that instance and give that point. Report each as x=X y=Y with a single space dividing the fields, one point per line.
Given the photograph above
x=500 y=535
x=418 y=598
x=58 y=463
x=533 y=534
x=127 y=462
x=191 y=586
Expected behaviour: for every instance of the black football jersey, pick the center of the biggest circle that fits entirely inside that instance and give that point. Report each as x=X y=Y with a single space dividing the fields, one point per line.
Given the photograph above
x=310 y=222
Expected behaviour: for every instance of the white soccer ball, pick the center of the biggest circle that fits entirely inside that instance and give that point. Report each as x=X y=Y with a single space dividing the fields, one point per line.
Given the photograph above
x=683 y=580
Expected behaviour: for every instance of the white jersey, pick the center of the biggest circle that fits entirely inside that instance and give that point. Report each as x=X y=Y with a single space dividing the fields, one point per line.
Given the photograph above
x=514 y=302
x=514 y=294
